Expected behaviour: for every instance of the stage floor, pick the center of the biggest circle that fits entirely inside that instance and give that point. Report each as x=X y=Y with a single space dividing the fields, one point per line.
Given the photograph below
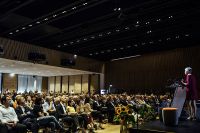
x=183 y=127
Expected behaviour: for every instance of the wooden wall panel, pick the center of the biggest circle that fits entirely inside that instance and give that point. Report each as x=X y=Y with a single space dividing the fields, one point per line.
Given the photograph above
x=20 y=50
x=77 y=84
x=44 y=84
x=65 y=84
x=9 y=83
x=94 y=83
x=150 y=72
x=58 y=84
x=71 y=83
x=85 y=83
x=51 y=84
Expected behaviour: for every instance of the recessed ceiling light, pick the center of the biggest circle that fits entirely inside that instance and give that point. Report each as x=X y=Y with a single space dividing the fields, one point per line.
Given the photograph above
x=143 y=43
x=92 y=37
x=100 y=35
x=114 y=49
x=12 y=74
x=148 y=32
x=96 y=53
x=38 y=22
x=158 y=20
x=187 y=35
x=65 y=44
x=71 y=42
x=168 y=38
x=30 y=25
x=127 y=28
x=117 y=30
x=160 y=40
x=10 y=33
x=102 y=52
x=73 y=8
x=108 y=50
x=59 y=46
x=129 y=46
x=78 y=41
x=147 y=22
x=54 y=15
x=137 y=22
x=85 y=39
x=135 y=45
x=151 y=42
x=23 y=28
x=90 y=54
x=122 y=48
x=64 y=12
x=17 y=31
x=170 y=17
x=108 y=32
x=46 y=19
x=177 y=36
x=85 y=3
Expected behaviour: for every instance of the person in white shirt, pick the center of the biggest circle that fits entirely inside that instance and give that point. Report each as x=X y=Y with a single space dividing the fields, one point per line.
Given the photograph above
x=8 y=116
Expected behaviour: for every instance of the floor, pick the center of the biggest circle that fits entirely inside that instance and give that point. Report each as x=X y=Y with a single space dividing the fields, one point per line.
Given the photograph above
x=183 y=127
x=109 y=129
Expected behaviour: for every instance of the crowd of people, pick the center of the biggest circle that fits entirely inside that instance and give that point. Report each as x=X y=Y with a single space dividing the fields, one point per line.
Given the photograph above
x=60 y=112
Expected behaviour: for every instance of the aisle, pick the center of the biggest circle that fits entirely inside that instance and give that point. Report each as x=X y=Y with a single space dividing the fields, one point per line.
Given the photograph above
x=110 y=129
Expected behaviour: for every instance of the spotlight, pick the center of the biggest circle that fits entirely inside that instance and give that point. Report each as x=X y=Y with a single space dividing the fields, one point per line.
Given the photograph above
x=12 y=74
x=75 y=56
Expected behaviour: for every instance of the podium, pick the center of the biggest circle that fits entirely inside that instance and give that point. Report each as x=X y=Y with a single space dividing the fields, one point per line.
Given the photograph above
x=173 y=113
x=179 y=99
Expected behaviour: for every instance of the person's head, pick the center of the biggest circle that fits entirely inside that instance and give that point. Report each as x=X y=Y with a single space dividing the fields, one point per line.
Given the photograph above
x=70 y=103
x=5 y=100
x=188 y=70
x=38 y=101
x=21 y=101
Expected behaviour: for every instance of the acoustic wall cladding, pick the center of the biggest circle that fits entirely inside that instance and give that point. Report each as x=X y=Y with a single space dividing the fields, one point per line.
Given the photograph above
x=19 y=50
x=151 y=72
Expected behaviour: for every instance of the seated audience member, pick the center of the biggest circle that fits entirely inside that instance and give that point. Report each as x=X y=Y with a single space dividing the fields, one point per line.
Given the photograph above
x=88 y=120
x=9 y=118
x=25 y=115
x=29 y=102
x=62 y=113
x=72 y=112
x=111 y=109
x=42 y=119
x=94 y=113
x=48 y=106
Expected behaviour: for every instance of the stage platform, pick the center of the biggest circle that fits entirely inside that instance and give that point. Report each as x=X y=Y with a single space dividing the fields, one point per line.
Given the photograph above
x=159 y=127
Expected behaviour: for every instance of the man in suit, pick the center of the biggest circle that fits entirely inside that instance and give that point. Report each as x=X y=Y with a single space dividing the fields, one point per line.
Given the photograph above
x=62 y=113
x=25 y=115
x=111 y=109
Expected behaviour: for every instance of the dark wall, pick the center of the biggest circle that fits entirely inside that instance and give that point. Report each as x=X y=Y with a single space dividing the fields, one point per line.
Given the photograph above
x=150 y=72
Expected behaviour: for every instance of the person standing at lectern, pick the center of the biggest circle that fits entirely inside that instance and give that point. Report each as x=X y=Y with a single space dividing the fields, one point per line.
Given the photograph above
x=191 y=93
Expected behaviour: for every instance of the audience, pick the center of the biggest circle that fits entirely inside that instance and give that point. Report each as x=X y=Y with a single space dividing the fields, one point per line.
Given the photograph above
x=29 y=111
